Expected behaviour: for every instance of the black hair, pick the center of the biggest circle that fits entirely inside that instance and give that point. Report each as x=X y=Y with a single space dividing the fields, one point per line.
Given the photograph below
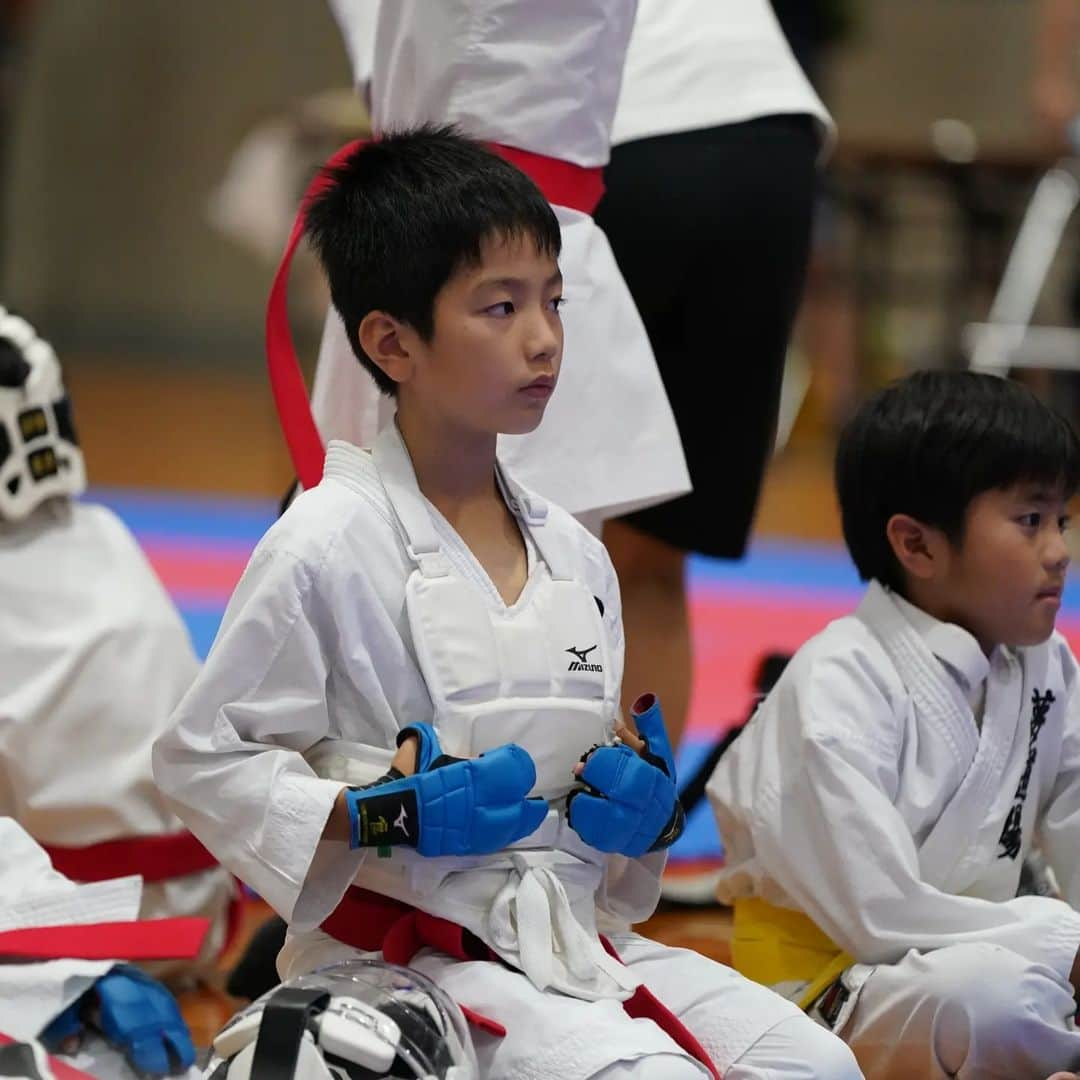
x=407 y=210
x=929 y=444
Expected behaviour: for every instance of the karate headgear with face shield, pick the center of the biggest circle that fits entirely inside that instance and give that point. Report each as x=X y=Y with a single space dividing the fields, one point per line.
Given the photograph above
x=39 y=452
x=356 y=1020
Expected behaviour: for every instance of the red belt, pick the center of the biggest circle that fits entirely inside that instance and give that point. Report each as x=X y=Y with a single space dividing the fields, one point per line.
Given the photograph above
x=372 y=922
x=561 y=182
x=151 y=939
x=154 y=858
x=61 y=1070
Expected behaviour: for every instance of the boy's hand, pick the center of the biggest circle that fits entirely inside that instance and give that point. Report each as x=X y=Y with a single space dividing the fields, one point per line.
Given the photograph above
x=448 y=806
x=630 y=804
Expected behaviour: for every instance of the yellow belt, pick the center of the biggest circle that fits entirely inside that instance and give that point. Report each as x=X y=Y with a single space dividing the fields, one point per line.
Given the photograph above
x=773 y=945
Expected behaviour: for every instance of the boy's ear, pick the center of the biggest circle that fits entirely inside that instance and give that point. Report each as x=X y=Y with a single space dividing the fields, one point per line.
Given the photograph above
x=917 y=547
x=382 y=339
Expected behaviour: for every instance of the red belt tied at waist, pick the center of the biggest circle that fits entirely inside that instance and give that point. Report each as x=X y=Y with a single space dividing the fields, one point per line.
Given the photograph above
x=153 y=858
x=561 y=182
x=372 y=922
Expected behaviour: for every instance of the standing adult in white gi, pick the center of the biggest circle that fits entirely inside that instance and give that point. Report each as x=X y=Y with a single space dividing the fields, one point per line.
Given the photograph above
x=542 y=78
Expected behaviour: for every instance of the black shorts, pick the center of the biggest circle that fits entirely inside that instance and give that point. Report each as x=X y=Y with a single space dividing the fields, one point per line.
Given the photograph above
x=711 y=229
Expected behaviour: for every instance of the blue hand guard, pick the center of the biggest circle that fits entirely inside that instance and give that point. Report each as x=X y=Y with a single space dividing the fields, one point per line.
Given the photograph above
x=630 y=804
x=649 y=721
x=450 y=806
x=139 y=1016
x=65 y=1026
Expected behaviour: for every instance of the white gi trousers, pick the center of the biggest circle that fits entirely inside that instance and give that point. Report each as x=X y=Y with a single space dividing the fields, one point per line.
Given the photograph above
x=749 y=1032
x=976 y=1012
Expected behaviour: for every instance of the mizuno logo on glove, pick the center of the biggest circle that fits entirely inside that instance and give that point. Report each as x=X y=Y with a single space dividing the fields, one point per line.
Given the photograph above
x=449 y=806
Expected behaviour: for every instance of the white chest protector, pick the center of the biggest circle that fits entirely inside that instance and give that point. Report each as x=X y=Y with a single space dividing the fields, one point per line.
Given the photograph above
x=538 y=673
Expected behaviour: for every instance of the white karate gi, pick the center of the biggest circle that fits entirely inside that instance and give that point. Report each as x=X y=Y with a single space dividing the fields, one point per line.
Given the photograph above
x=889 y=788
x=93 y=658
x=542 y=78
x=33 y=894
x=329 y=647
x=696 y=64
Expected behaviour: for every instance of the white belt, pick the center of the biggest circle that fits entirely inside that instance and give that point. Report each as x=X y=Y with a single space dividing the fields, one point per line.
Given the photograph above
x=531 y=922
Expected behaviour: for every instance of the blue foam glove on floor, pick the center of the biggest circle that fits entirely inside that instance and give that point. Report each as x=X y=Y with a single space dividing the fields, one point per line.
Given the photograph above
x=140 y=1017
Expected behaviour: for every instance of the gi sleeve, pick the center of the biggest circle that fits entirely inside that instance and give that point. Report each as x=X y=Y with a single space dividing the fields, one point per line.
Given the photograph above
x=232 y=764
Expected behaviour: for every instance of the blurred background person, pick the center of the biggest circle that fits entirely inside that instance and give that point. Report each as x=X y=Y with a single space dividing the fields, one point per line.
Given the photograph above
x=708 y=206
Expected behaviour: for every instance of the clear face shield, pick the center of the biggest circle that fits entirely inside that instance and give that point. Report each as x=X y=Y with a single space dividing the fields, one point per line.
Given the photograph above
x=357 y=1020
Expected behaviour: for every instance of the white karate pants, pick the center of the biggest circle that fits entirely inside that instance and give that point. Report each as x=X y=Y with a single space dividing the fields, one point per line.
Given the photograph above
x=976 y=1012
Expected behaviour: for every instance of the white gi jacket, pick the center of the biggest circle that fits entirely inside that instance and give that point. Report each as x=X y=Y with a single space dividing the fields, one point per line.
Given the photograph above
x=93 y=659
x=542 y=77
x=864 y=793
x=697 y=64
x=33 y=894
x=328 y=648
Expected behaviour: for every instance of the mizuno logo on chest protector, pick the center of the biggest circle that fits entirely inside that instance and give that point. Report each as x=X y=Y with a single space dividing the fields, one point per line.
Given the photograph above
x=582 y=661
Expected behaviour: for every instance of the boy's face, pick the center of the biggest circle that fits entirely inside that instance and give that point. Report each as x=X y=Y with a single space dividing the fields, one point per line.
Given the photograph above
x=493 y=358
x=1003 y=583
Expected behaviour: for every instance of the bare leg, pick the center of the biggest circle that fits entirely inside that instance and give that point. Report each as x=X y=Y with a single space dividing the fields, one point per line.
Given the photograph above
x=652 y=580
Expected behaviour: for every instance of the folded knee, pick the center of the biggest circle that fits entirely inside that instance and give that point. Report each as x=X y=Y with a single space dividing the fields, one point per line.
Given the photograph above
x=797 y=1049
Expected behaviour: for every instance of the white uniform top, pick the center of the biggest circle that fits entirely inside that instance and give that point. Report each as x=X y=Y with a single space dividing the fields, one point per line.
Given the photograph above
x=32 y=995
x=93 y=659
x=543 y=78
x=32 y=894
x=864 y=794
x=317 y=654
x=703 y=63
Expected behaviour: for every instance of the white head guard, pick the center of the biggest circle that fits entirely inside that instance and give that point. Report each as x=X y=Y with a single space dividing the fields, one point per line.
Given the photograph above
x=39 y=451
x=356 y=1020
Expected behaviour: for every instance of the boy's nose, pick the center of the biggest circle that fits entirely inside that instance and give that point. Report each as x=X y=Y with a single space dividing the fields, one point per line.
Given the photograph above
x=543 y=340
x=1057 y=554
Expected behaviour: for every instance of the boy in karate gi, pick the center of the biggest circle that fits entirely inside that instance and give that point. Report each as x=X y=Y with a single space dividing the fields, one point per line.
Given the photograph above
x=878 y=808
x=404 y=736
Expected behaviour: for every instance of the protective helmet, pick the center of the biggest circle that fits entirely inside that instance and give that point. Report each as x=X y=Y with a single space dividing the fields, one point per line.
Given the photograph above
x=39 y=452
x=356 y=1020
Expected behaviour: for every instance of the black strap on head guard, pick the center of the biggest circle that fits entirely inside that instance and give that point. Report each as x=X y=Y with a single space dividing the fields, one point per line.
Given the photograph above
x=285 y=1018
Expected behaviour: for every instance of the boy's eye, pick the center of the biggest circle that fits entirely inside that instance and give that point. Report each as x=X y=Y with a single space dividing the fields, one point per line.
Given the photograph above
x=556 y=302
x=1032 y=520
x=1064 y=522
x=501 y=309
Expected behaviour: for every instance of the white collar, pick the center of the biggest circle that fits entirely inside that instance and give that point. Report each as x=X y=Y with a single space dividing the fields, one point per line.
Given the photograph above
x=955 y=647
